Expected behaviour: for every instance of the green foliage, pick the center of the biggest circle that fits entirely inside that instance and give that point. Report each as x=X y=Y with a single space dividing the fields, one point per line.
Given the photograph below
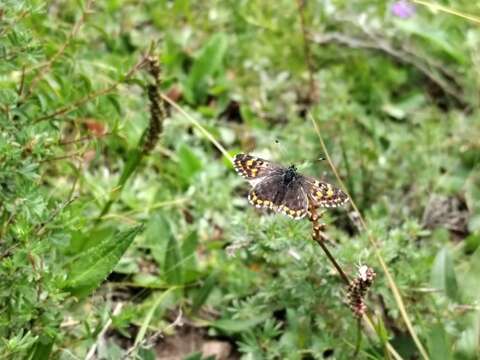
x=443 y=274
x=396 y=102
x=205 y=66
x=90 y=267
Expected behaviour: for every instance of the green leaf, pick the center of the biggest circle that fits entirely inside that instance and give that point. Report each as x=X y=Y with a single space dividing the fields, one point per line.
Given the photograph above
x=435 y=36
x=157 y=234
x=443 y=274
x=172 y=265
x=205 y=66
x=189 y=164
x=93 y=265
x=239 y=325
x=146 y=354
x=467 y=345
x=472 y=242
x=133 y=159
x=202 y=295
x=189 y=264
x=438 y=343
x=149 y=316
x=41 y=350
x=194 y=356
x=474 y=223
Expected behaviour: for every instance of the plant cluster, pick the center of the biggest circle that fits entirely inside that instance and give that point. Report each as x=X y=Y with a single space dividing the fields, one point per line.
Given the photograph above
x=125 y=232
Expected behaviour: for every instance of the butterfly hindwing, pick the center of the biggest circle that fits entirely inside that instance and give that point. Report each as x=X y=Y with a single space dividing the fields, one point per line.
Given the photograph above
x=295 y=202
x=323 y=194
x=273 y=193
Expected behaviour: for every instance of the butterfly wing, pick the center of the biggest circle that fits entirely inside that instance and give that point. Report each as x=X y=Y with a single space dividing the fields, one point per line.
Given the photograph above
x=272 y=193
x=323 y=194
x=295 y=202
x=254 y=168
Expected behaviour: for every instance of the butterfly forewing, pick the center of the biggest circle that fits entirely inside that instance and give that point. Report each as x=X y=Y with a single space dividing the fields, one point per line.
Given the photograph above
x=273 y=193
x=323 y=194
x=252 y=167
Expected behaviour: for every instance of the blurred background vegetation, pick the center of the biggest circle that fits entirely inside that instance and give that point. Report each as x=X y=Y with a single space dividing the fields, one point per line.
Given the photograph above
x=125 y=233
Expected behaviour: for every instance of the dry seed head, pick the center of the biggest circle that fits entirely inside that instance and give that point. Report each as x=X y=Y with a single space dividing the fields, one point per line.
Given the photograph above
x=357 y=290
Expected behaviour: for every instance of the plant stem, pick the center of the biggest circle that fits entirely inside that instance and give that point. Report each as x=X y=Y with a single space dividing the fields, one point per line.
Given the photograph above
x=320 y=238
x=359 y=338
x=306 y=51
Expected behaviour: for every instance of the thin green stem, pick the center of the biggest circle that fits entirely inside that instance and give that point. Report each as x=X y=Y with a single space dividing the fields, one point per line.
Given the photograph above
x=359 y=338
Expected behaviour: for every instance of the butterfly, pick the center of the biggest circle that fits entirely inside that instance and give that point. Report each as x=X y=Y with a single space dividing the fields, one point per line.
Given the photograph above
x=284 y=189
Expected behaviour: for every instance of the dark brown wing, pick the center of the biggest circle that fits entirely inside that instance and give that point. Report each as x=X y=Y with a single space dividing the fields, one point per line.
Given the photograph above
x=272 y=193
x=252 y=167
x=323 y=194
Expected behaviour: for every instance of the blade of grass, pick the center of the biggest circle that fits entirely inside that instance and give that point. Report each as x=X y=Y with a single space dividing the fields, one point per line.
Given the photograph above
x=91 y=352
x=389 y=347
x=148 y=318
x=198 y=126
x=373 y=242
x=437 y=7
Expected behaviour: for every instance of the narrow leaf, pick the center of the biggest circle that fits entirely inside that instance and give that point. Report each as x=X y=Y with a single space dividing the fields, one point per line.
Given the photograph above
x=238 y=325
x=41 y=350
x=443 y=274
x=189 y=259
x=172 y=268
x=205 y=66
x=202 y=296
x=133 y=159
x=149 y=316
x=439 y=344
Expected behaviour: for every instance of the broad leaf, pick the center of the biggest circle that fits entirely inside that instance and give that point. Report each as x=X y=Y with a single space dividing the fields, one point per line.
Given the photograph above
x=93 y=265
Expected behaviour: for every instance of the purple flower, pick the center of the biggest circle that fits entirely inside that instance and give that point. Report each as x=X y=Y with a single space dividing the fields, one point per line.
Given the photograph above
x=402 y=9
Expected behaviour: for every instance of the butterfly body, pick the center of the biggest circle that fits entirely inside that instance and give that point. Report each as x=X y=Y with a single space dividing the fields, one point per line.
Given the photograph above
x=284 y=189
